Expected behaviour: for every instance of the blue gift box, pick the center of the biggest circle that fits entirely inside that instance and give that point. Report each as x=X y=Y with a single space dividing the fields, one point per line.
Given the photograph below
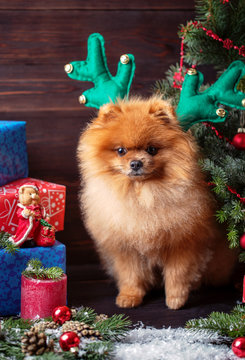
x=13 y=151
x=12 y=267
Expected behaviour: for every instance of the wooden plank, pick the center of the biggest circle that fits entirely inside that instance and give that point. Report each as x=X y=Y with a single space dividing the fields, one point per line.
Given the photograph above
x=54 y=96
x=59 y=37
x=95 y=4
x=32 y=75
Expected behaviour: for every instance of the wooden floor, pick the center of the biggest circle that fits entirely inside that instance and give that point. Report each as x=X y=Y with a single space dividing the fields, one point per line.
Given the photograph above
x=89 y=286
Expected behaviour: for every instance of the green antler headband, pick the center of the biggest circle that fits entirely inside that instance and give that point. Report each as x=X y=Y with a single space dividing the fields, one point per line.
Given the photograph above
x=195 y=106
x=106 y=87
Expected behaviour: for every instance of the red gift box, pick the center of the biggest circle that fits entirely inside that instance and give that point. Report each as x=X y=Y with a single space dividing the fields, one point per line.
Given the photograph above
x=52 y=199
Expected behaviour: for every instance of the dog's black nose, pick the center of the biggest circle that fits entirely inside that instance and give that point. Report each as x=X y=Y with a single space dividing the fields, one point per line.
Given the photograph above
x=136 y=164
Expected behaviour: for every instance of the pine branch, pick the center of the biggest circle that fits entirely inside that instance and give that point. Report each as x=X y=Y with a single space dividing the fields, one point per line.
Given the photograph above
x=7 y=245
x=99 y=350
x=86 y=315
x=221 y=216
x=10 y=350
x=35 y=270
x=232 y=325
x=114 y=327
x=11 y=323
x=232 y=236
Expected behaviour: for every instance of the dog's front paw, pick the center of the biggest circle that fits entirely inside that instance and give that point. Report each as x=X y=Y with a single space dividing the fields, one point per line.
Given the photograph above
x=176 y=302
x=128 y=301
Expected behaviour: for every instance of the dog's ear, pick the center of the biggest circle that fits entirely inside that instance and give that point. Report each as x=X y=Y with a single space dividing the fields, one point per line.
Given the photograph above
x=163 y=110
x=108 y=111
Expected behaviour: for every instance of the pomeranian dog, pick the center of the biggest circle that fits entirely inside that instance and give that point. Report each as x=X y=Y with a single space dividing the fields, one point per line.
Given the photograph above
x=146 y=204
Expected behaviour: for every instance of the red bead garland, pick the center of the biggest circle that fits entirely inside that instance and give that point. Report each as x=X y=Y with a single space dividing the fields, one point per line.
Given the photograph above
x=242 y=200
x=220 y=136
x=227 y=43
x=178 y=76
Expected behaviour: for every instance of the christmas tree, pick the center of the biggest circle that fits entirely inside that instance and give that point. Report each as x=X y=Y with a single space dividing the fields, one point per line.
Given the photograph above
x=216 y=37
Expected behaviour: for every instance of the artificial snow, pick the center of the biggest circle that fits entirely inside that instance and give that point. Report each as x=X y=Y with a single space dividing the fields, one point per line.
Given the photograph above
x=172 y=344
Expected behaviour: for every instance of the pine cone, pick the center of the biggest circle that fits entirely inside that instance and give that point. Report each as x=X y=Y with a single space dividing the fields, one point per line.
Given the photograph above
x=73 y=312
x=101 y=317
x=82 y=329
x=35 y=343
x=44 y=325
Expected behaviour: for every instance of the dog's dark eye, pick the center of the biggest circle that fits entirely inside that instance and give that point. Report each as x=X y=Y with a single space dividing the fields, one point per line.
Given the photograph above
x=121 y=151
x=152 y=150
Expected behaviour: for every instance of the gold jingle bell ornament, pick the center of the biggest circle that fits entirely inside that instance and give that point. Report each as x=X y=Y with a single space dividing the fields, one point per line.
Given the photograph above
x=124 y=59
x=68 y=68
x=191 y=71
x=221 y=112
x=82 y=99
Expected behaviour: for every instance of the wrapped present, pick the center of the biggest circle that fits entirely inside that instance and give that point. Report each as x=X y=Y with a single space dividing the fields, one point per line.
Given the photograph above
x=52 y=199
x=13 y=154
x=12 y=267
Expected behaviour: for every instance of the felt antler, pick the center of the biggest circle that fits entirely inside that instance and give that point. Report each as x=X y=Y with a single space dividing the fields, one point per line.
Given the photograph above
x=95 y=69
x=196 y=107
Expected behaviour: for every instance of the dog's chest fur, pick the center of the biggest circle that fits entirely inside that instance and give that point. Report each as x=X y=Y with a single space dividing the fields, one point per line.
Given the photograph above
x=146 y=212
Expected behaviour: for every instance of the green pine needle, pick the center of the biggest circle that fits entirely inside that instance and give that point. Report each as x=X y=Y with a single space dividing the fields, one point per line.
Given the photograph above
x=100 y=350
x=233 y=237
x=114 y=327
x=11 y=323
x=10 y=351
x=232 y=325
x=86 y=315
x=7 y=245
x=35 y=270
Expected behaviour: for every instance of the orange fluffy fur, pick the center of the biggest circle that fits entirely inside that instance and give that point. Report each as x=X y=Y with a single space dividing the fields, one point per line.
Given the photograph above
x=158 y=217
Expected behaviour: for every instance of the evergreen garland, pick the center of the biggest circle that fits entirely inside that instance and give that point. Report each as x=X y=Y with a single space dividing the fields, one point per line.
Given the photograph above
x=227 y=20
x=223 y=164
x=231 y=325
x=36 y=270
x=111 y=330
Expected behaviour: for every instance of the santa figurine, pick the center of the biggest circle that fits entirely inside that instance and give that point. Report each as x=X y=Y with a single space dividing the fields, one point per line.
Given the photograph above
x=30 y=212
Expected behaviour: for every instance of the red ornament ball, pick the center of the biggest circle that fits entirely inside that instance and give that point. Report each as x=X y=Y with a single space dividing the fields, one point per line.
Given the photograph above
x=61 y=314
x=242 y=241
x=238 y=346
x=239 y=141
x=68 y=340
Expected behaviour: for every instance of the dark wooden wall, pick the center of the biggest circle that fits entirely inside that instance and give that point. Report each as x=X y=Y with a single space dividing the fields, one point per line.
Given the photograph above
x=37 y=38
